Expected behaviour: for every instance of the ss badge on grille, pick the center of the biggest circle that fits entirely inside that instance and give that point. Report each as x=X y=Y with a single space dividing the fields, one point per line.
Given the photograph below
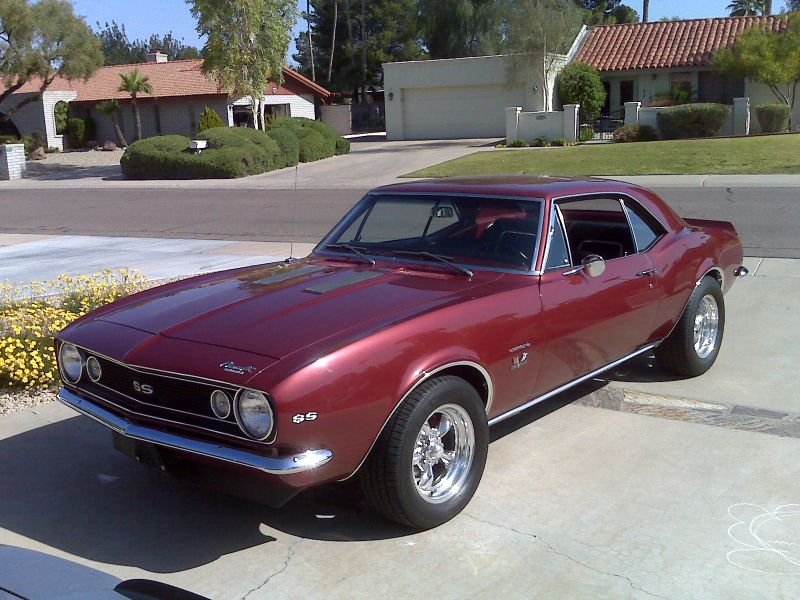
x=142 y=388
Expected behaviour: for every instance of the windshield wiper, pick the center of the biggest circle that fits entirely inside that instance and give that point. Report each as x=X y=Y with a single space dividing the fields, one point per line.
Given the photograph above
x=430 y=255
x=355 y=251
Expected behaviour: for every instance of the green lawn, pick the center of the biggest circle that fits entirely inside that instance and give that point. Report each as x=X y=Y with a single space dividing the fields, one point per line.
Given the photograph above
x=755 y=155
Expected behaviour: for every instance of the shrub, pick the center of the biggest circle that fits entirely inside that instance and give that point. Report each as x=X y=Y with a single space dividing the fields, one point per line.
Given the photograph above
x=342 y=145
x=34 y=140
x=289 y=144
x=586 y=134
x=76 y=132
x=9 y=139
x=518 y=144
x=30 y=316
x=692 y=120
x=560 y=141
x=209 y=119
x=541 y=142
x=318 y=149
x=635 y=133
x=773 y=118
x=579 y=83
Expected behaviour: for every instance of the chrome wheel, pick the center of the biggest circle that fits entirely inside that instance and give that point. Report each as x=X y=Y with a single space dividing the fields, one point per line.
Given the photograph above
x=443 y=453
x=706 y=326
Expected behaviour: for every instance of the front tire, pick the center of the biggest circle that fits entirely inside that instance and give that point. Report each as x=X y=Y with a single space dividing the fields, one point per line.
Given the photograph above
x=693 y=345
x=429 y=459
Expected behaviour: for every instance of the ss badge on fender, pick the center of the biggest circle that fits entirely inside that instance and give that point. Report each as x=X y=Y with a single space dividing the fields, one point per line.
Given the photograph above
x=309 y=416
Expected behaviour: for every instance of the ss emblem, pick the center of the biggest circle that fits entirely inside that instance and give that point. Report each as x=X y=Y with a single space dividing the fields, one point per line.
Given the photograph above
x=309 y=416
x=143 y=388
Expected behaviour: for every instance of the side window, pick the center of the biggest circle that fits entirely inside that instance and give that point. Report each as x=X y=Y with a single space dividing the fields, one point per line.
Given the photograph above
x=646 y=229
x=597 y=226
x=558 y=256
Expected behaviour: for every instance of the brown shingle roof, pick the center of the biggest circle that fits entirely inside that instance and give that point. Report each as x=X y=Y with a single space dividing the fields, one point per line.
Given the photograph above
x=666 y=44
x=169 y=79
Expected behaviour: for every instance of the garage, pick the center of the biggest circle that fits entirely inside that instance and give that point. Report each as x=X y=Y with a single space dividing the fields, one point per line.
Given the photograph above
x=456 y=98
x=458 y=111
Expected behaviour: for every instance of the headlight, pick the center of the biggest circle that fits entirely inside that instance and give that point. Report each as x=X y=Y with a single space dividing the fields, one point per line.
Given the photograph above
x=93 y=369
x=220 y=404
x=254 y=414
x=70 y=362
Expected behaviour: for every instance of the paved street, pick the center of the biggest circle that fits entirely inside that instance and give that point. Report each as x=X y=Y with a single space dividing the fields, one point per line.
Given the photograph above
x=766 y=218
x=576 y=501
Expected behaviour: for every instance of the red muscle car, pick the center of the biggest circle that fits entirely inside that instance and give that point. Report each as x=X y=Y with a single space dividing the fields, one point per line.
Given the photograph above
x=433 y=310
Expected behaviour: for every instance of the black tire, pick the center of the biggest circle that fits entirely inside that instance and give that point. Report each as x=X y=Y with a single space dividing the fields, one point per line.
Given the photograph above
x=677 y=353
x=387 y=478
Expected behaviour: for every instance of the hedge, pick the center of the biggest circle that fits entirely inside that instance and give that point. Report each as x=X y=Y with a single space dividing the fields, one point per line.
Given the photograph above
x=635 y=133
x=232 y=151
x=692 y=120
x=773 y=118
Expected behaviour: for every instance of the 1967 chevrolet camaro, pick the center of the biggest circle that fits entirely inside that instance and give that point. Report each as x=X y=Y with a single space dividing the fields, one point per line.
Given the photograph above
x=433 y=310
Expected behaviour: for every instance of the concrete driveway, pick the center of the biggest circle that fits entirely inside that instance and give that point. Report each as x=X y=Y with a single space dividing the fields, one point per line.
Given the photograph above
x=641 y=499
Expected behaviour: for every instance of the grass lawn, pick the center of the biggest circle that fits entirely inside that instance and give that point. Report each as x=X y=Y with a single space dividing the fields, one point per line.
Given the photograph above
x=754 y=155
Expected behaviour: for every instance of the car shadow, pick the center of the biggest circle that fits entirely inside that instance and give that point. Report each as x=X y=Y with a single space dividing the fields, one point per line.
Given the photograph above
x=642 y=369
x=66 y=487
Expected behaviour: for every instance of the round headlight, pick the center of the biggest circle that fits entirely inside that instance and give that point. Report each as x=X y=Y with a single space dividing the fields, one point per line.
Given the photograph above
x=93 y=369
x=70 y=362
x=254 y=414
x=220 y=404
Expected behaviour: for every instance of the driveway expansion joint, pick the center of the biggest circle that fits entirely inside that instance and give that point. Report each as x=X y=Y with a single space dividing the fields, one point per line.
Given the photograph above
x=729 y=416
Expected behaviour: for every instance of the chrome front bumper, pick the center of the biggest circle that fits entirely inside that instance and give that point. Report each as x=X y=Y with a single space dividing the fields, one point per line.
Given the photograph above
x=284 y=465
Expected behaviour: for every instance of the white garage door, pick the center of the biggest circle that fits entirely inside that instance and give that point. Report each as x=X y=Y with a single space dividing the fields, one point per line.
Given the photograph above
x=457 y=111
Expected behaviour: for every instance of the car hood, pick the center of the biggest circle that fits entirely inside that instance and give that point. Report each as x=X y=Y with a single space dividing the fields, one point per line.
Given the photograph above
x=275 y=310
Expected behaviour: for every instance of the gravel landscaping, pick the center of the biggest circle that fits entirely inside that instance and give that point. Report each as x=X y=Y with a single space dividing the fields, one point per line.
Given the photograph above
x=15 y=401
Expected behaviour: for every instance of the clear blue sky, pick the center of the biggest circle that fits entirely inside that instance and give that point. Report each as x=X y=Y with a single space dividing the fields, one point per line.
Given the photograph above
x=144 y=17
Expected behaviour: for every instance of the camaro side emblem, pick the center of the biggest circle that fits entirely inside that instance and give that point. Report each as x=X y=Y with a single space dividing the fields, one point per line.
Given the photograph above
x=143 y=388
x=520 y=360
x=232 y=367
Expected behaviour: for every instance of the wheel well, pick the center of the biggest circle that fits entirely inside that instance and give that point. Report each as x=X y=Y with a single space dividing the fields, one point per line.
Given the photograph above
x=472 y=376
x=716 y=273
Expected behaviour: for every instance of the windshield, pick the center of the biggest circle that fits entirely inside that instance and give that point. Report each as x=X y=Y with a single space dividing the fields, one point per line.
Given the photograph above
x=476 y=231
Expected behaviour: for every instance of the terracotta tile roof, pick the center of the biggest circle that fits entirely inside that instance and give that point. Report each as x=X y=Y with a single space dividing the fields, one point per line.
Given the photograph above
x=666 y=44
x=171 y=79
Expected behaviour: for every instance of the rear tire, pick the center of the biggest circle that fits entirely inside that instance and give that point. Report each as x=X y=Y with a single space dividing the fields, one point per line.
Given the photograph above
x=694 y=343
x=429 y=459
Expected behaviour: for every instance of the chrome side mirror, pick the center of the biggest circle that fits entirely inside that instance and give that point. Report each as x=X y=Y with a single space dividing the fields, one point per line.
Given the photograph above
x=594 y=265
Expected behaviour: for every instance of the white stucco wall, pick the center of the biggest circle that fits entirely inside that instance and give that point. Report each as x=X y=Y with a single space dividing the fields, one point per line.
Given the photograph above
x=299 y=105
x=459 y=97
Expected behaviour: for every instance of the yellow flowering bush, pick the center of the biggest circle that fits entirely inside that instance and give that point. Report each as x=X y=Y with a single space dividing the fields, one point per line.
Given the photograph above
x=31 y=315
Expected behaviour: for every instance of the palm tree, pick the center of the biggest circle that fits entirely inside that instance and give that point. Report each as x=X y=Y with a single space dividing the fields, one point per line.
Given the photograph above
x=110 y=108
x=645 y=11
x=135 y=83
x=746 y=8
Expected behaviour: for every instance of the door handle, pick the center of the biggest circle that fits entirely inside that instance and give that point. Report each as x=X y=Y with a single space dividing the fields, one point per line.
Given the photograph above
x=646 y=273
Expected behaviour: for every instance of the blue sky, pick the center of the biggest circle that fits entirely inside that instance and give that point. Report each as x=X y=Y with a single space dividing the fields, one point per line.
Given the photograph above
x=143 y=17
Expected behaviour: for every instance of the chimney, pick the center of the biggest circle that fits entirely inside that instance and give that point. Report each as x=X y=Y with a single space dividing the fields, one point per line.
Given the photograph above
x=157 y=56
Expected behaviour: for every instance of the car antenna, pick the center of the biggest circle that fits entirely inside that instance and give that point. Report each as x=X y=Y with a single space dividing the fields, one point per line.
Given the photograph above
x=294 y=216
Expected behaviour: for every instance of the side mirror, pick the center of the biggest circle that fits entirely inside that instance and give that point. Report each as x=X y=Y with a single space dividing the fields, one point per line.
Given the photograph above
x=594 y=265
x=444 y=212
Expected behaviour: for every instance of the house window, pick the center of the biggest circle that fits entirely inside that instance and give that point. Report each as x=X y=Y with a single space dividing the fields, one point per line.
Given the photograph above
x=157 y=115
x=719 y=88
x=61 y=115
x=626 y=92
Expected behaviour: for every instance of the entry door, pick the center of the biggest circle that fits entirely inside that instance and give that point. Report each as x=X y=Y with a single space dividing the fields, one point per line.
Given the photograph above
x=594 y=321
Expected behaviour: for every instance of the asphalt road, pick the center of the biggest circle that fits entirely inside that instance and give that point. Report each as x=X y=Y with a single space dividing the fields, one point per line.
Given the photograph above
x=766 y=218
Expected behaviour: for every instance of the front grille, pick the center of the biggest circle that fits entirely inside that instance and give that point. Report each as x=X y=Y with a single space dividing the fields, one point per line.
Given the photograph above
x=173 y=399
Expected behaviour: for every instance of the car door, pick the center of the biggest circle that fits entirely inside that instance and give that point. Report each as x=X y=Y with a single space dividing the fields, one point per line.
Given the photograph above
x=593 y=321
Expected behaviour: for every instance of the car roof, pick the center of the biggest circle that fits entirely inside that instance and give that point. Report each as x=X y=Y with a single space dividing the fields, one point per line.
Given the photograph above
x=526 y=186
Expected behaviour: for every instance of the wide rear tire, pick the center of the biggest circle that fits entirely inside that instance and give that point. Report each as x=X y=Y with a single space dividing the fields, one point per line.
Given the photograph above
x=692 y=347
x=429 y=459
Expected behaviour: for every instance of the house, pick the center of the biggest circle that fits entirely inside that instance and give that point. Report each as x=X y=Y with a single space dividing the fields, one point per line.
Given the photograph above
x=180 y=93
x=465 y=97
x=642 y=62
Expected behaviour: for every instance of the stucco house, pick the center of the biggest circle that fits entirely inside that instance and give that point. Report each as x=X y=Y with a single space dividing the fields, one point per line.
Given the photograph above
x=180 y=92
x=466 y=97
x=639 y=62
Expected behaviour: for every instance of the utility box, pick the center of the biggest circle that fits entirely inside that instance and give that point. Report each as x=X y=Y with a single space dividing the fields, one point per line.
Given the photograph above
x=12 y=161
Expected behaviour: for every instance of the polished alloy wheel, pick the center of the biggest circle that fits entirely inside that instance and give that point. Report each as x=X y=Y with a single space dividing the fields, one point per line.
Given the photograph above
x=443 y=453
x=706 y=326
